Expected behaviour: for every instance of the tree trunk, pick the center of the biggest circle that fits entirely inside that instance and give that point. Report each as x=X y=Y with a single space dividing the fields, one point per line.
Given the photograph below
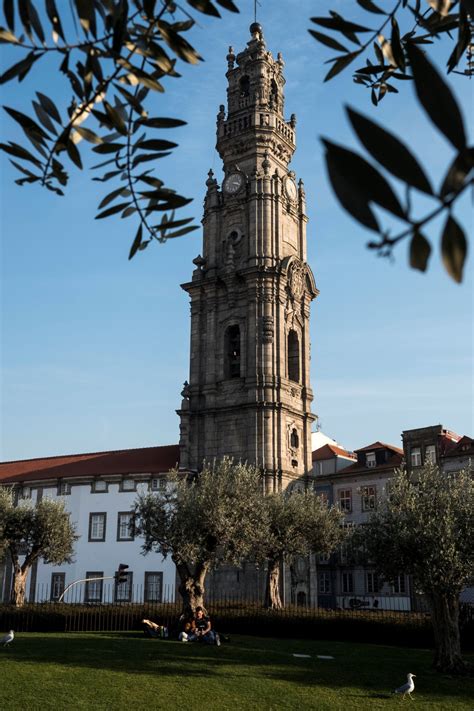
x=20 y=576
x=272 y=593
x=191 y=587
x=445 y=619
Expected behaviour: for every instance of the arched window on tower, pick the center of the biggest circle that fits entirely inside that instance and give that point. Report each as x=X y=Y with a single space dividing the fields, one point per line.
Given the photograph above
x=293 y=357
x=232 y=352
x=245 y=86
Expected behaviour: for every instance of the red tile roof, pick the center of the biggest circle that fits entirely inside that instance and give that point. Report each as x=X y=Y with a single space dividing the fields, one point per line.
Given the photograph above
x=148 y=460
x=328 y=451
x=380 y=445
x=461 y=448
x=393 y=462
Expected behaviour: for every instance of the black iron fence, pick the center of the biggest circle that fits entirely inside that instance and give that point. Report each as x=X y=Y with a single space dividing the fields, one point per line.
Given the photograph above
x=236 y=614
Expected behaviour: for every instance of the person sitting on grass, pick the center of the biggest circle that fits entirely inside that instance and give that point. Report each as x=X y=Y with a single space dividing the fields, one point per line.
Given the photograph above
x=201 y=630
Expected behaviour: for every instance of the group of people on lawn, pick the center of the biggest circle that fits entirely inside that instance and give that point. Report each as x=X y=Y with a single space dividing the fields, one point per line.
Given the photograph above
x=194 y=629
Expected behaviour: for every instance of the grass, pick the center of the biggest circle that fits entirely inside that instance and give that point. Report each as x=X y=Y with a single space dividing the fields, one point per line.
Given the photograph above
x=125 y=670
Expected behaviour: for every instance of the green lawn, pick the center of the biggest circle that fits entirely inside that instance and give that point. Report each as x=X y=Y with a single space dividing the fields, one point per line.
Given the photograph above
x=127 y=671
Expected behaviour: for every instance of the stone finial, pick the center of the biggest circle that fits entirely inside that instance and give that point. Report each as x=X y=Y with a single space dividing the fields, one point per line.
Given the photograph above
x=185 y=392
x=280 y=59
x=301 y=187
x=230 y=58
x=221 y=114
x=199 y=262
x=293 y=120
x=211 y=181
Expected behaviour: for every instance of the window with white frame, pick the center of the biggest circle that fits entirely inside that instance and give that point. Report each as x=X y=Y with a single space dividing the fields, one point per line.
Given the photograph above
x=123 y=591
x=99 y=486
x=323 y=497
x=153 y=586
x=124 y=526
x=372 y=582
x=415 y=456
x=399 y=586
x=97 y=525
x=347 y=582
x=368 y=497
x=370 y=460
x=64 y=488
x=345 y=499
x=430 y=454
x=159 y=484
x=128 y=485
x=93 y=588
x=57 y=585
x=324 y=583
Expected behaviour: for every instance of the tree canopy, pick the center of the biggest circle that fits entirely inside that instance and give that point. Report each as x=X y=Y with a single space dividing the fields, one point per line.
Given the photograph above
x=202 y=520
x=29 y=532
x=425 y=528
x=124 y=49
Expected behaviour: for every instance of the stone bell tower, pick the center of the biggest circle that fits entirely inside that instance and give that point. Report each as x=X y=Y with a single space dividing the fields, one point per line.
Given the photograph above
x=249 y=394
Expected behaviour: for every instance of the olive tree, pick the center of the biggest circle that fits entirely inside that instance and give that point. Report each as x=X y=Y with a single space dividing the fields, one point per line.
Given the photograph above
x=29 y=532
x=294 y=524
x=425 y=527
x=202 y=520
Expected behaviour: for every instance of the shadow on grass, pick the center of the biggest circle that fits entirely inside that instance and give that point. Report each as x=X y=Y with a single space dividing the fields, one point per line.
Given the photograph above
x=372 y=670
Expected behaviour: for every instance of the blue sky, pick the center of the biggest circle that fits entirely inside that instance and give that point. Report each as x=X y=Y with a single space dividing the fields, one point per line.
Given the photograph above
x=95 y=348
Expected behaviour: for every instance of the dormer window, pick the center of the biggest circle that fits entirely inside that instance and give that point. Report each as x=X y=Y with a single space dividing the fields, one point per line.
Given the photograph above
x=370 y=460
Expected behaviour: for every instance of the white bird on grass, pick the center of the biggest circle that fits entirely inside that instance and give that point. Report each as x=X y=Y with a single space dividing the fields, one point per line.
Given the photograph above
x=407 y=688
x=7 y=638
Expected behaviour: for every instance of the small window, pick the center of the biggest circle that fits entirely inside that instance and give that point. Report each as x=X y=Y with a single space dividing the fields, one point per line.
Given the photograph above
x=97 y=525
x=324 y=583
x=128 y=485
x=373 y=583
x=99 y=486
x=430 y=454
x=345 y=500
x=368 y=498
x=125 y=526
x=399 y=586
x=347 y=583
x=293 y=357
x=416 y=457
x=64 y=488
x=93 y=589
x=159 y=484
x=153 y=587
x=123 y=591
x=26 y=492
x=324 y=558
x=57 y=585
x=370 y=460
x=232 y=352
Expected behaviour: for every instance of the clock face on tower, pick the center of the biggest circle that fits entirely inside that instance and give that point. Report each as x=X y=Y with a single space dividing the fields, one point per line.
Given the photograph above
x=233 y=183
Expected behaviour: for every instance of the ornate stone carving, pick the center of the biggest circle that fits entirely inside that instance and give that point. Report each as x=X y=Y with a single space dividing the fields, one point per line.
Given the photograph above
x=296 y=279
x=267 y=329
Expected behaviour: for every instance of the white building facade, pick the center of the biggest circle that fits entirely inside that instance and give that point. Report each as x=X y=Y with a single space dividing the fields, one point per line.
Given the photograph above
x=99 y=491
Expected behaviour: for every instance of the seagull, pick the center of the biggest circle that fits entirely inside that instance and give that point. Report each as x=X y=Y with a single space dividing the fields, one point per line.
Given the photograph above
x=7 y=638
x=407 y=688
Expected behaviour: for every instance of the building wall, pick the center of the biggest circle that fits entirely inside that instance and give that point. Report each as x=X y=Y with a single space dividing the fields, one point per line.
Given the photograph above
x=98 y=556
